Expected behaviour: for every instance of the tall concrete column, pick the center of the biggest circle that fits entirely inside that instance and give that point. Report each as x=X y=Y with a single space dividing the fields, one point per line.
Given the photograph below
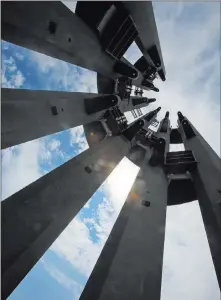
x=130 y=264
x=51 y=28
x=31 y=114
x=207 y=183
x=143 y=16
x=36 y=215
x=164 y=131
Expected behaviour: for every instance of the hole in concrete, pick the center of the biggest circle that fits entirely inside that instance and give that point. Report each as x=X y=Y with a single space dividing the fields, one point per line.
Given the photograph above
x=146 y=203
x=69 y=40
x=52 y=27
x=54 y=110
x=88 y=170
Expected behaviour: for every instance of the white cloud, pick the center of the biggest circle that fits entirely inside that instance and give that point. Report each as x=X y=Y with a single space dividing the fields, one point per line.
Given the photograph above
x=11 y=76
x=75 y=244
x=189 y=59
x=21 y=163
x=54 y=145
x=77 y=137
x=185 y=48
x=63 y=279
x=20 y=167
x=188 y=271
x=65 y=76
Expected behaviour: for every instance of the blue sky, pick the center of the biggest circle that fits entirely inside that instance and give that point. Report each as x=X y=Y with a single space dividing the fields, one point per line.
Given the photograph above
x=189 y=35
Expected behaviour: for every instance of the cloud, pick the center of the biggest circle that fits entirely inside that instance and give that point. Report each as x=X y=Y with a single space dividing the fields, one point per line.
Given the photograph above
x=20 y=166
x=188 y=271
x=64 y=76
x=11 y=76
x=75 y=243
x=77 y=137
x=75 y=246
x=189 y=34
x=54 y=145
x=63 y=279
x=191 y=55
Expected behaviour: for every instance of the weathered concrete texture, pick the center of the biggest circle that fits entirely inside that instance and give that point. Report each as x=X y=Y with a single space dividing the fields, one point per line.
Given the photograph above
x=30 y=114
x=35 y=216
x=207 y=182
x=126 y=105
x=130 y=264
x=50 y=28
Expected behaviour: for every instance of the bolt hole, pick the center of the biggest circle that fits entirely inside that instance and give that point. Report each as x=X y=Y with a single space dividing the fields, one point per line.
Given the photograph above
x=62 y=109
x=52 y=27
x=69 y=40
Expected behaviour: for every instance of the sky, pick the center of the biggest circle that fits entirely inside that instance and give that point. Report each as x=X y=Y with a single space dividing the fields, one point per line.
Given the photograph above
x=189 y=34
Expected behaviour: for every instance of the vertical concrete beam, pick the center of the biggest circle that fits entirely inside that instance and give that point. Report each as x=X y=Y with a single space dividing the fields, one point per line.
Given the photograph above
x=52 y=29
x=30 y=114
x=164 y=130
x=207 y=183
x=36 y=215
x=143 y=16
x=130 y=264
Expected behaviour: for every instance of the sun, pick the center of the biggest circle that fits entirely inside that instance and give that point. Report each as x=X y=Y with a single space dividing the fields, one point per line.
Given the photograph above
x=121 y=180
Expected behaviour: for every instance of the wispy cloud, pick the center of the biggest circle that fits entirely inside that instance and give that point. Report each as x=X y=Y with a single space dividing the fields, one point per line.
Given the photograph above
x=75 y=243
x=191 y=57
x=188 y=271
x=64 y=76
x=63 y=279
x=20 y=166
x=11 y=76
x=77 y=138
x=191 y=54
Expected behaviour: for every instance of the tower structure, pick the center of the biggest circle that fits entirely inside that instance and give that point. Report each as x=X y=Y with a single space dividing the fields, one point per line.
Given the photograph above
x=31 y=221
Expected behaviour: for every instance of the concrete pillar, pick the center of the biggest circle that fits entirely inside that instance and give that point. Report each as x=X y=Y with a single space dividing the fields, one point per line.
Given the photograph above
x=143 y=16
x=50 y=28
x=207 y=183
x=95 y=132
x=31 y=114
x=130 y=264
x=135 y=102
x=36 y=215
x=150 y=116
x=164 y=130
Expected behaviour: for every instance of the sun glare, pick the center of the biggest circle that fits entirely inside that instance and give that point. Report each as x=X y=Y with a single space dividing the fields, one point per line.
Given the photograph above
x=121 y=180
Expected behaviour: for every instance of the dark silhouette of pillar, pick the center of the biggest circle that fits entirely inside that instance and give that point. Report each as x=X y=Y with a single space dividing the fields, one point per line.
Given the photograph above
x=31 y=114
x=207 y=183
